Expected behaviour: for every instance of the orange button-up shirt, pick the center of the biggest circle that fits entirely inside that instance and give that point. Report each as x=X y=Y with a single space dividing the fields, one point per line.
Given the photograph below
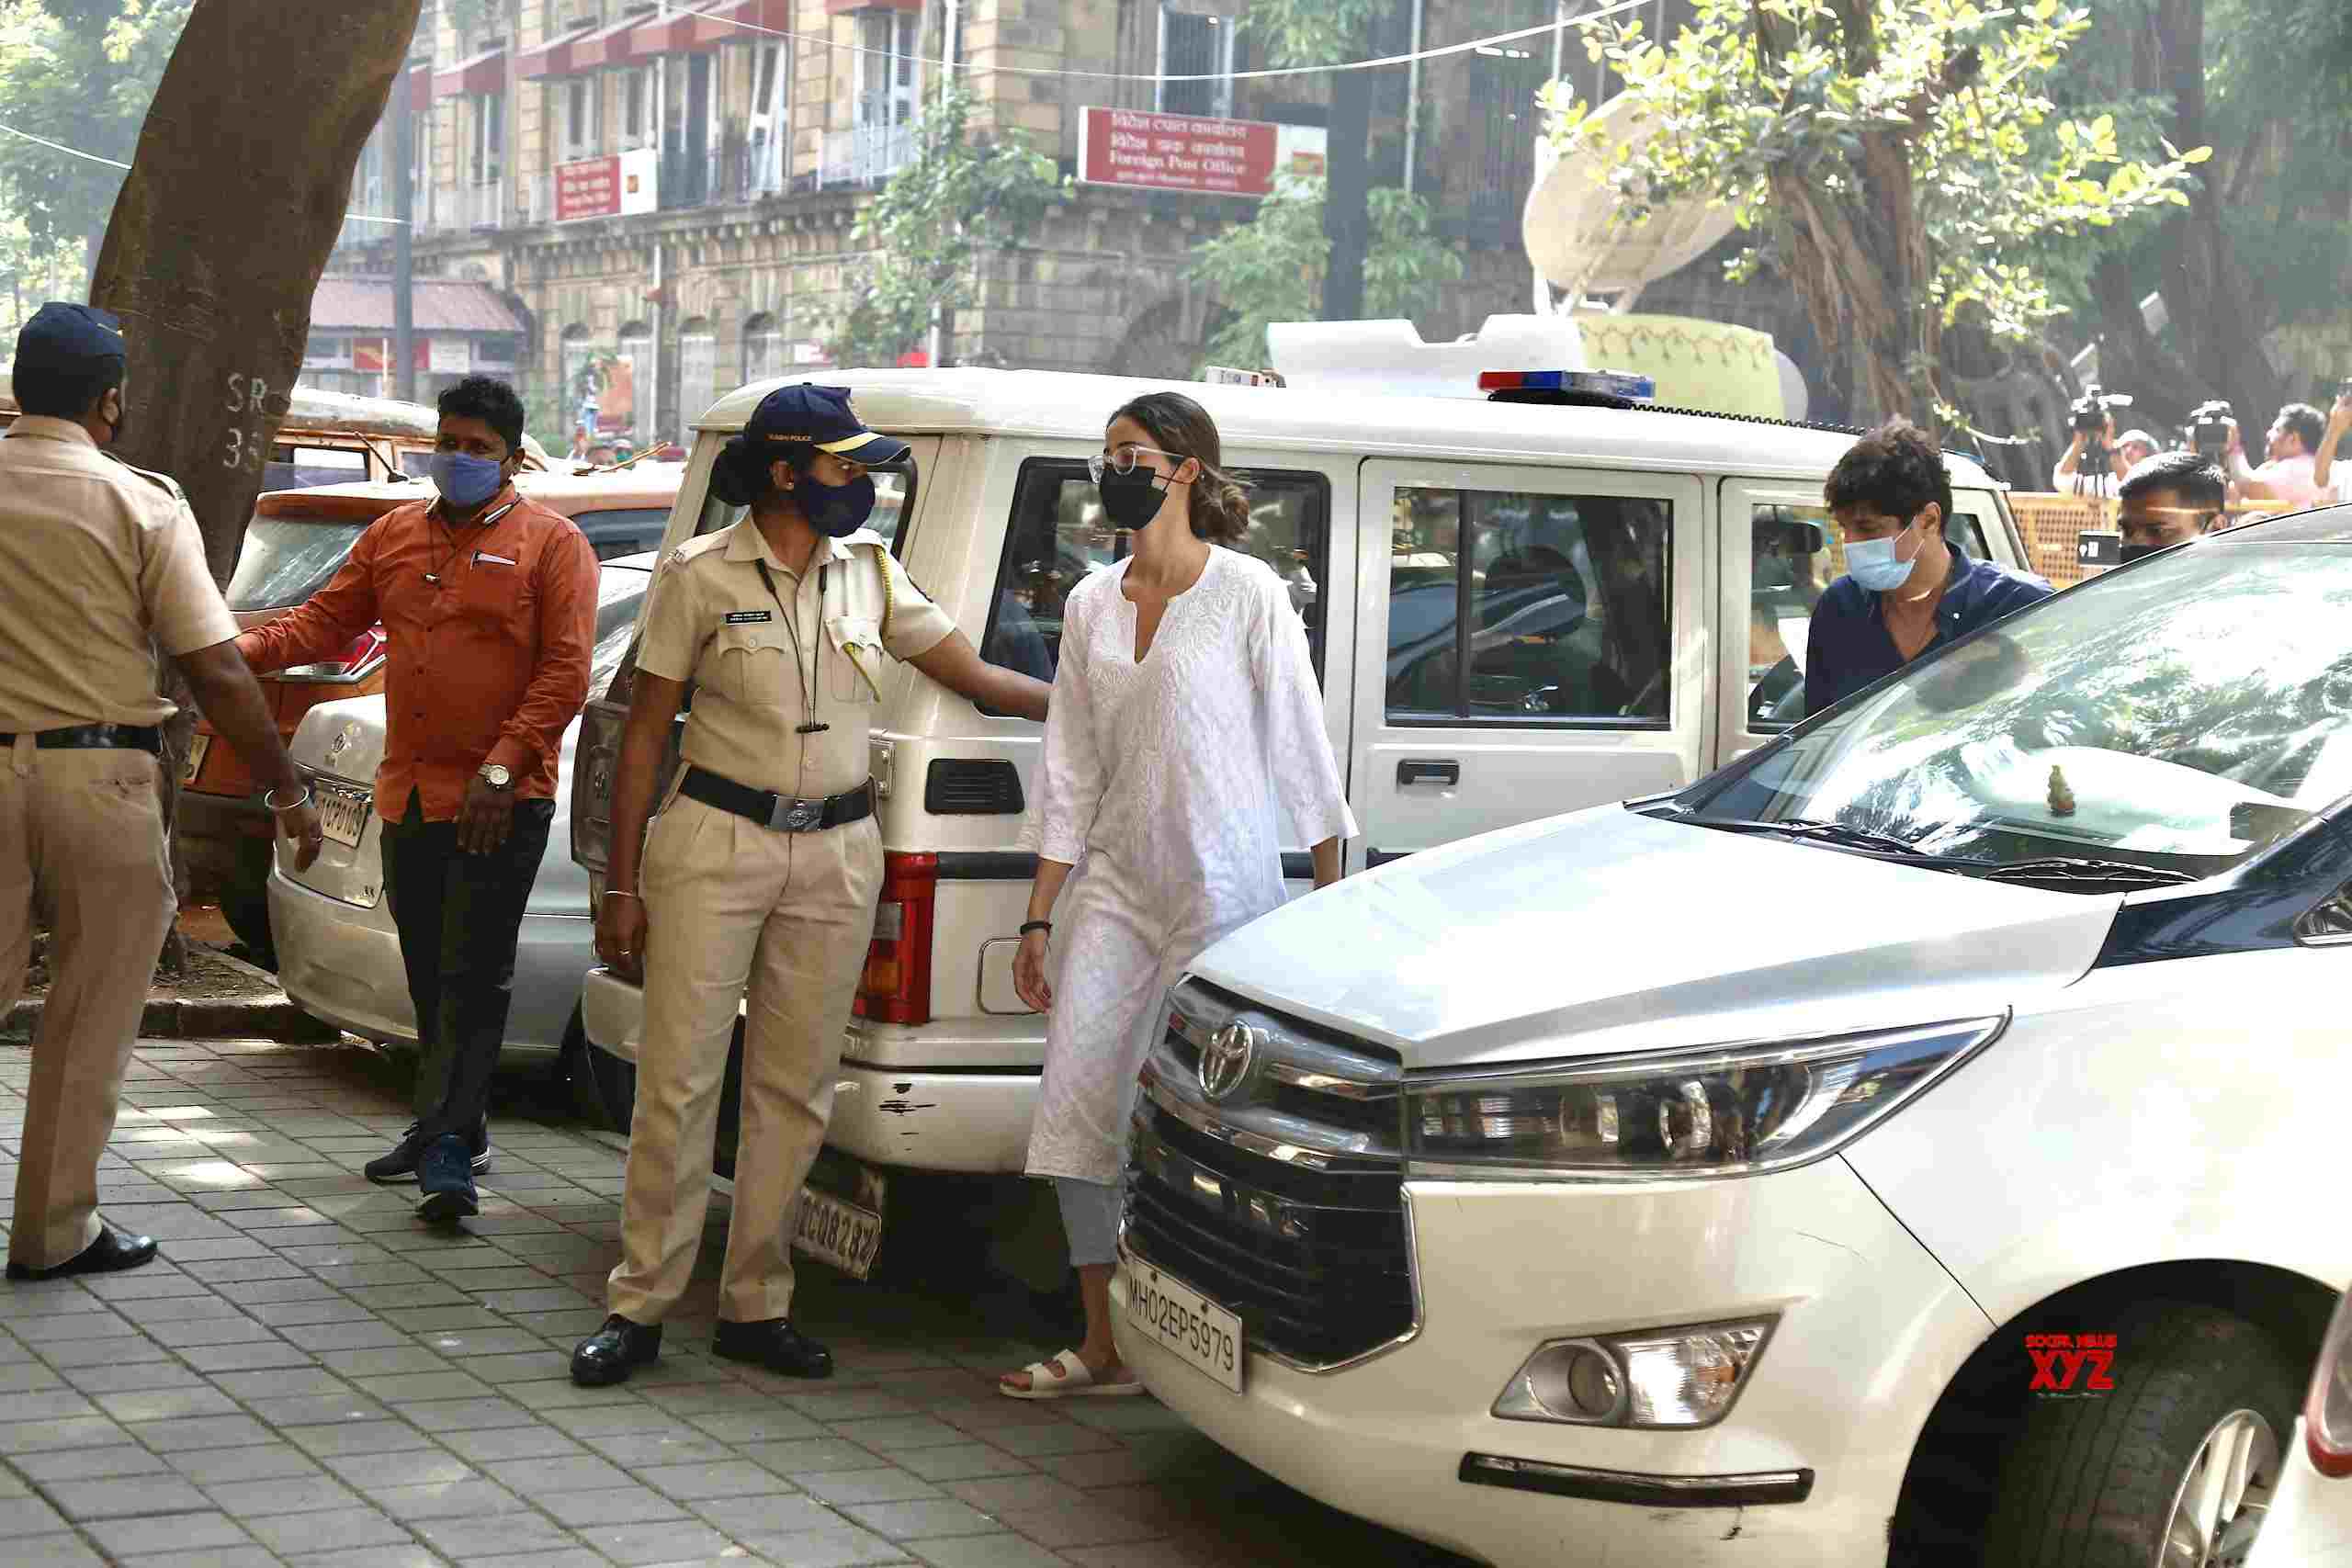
x=491 y=629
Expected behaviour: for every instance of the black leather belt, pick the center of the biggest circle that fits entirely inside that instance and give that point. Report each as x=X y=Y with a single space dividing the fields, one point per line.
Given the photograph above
x=96 y=738
x=780 y=812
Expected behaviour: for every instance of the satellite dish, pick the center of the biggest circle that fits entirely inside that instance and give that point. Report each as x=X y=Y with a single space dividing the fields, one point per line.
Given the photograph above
x=1570 y=237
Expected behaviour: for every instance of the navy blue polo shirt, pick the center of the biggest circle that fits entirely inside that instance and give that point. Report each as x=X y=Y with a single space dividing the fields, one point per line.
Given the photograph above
x=1848 y=646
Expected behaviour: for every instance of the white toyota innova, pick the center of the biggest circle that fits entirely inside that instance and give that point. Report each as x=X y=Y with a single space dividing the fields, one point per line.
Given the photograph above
x=1909 y=1144
x=1515 y=609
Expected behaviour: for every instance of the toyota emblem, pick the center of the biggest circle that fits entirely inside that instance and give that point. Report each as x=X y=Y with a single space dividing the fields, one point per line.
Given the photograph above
x=1227 y=1059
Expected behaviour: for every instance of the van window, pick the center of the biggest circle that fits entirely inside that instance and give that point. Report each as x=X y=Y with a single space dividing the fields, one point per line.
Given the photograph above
x=623 y=532
x=1536 y=608
x=1795 y=554
x=1057 y=538
x=292 y=467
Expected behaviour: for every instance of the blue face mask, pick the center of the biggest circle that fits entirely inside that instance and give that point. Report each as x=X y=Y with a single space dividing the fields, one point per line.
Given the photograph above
x=464 y=482
x=1873 y=564
x=835 y=511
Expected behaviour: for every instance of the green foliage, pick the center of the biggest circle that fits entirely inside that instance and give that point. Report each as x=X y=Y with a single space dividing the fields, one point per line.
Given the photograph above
x=1271 y=269
x=965 y=192
x=1791 y=127
x=81 y=72
x=1312 y=32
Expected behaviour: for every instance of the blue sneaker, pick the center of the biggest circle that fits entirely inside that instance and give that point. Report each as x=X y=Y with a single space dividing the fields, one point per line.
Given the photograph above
x=445 y=1177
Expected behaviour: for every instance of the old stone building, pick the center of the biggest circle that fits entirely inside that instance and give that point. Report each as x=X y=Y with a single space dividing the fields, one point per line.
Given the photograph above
x=669 y=190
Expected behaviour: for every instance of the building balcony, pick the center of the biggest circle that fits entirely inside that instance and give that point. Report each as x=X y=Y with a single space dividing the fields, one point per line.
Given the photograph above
x=865 y=154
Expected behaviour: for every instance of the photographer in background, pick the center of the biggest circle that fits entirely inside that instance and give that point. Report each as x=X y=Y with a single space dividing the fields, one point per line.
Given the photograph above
x=2169 y=501
x=2123 y=453
x=2333 y=486
x=2286 y=474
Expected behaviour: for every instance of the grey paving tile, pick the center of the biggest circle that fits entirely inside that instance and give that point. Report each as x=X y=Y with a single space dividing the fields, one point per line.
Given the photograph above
x=1044 y=1442
x=281 y=1383
x=630 y=1545
x=603 y=1420
x=116 y=1496
x=436 y=1319
x=82 y=1464
x=262 y=1462
x=133 y=1377
x=422 y=1388
x=150 y=1283
x=444 y=1417
x=987 y=1551
x=238 y=1330
x=49 y=1404
x=290 y=1533
x=74 y=1432
x=899 y=1434
x=577 y=1557
x=967 y=1462
x=490 y=1535
x=56 y=1552
x=664 y=1446
x=699 y=1483
x=813 y=1456
x=1109 y=1467
x=405 y=1467
x=408 y=1556
x=162 y=1404
x=29 y=1516
x=316 y=1409
x=627 y=1504
x=997 y=1494
x=890 y=1485
x=765 y=1424
x=561 y=1472
x=207 y=1557
x=281 y=1495
x=914 y=1521
x=403 y=1361
x=843 y=1546
x=529 y=1366
x=396 y=1298
x=366 y=1331
x=509 y=1443
x=322 y=1305
x=446 y=1500
x=245 y=1357
x=166 y=1532
x=357 y=1438
x=748 y=1517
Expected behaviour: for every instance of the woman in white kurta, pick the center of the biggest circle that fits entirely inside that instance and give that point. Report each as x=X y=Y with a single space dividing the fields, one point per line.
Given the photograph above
x=1185 y=737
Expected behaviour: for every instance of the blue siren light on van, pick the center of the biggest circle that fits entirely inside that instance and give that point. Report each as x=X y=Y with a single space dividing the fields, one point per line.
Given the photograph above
x=1600 y=383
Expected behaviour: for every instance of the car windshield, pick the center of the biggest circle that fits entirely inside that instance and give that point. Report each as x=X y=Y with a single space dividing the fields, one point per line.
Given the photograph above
x=620 y=594
x=2178 y=714
x=286 y=559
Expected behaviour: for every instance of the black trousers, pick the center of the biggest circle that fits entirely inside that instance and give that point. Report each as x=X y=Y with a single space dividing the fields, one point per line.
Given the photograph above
x=460 y=917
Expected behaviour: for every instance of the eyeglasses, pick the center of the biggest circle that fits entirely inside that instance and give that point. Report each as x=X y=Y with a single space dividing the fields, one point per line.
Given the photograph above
x=1123 y=461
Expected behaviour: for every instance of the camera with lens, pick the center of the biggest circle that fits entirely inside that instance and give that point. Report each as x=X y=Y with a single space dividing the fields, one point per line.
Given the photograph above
x=2209 y=429
x=2088 y=413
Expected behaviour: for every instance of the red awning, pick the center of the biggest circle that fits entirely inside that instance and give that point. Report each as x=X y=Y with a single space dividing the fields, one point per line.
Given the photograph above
x=420 y=89
x=606 y=46
x=550 y=59
x=735 y=21
x=672 y=34
x=845 y=8
x=485 y=72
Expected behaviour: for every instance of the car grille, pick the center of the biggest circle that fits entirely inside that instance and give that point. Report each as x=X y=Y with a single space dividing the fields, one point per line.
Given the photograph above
x=1283 y=1200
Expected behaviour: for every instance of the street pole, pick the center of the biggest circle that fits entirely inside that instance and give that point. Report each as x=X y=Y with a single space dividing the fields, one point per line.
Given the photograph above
x=403 y=242
x=1413 y=99
x=1347 y=220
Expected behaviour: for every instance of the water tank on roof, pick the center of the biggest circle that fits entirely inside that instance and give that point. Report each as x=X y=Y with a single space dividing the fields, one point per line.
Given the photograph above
x=1390 y=356
x=1570 y=240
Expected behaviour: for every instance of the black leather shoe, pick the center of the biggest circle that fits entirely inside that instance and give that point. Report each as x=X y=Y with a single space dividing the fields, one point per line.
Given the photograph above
x=774 y=1344
x=614 y=1351
x=113 y=1251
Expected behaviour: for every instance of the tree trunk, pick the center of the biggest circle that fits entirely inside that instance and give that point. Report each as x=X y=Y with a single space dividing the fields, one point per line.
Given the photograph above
x=1347 y=193
x=234 y=199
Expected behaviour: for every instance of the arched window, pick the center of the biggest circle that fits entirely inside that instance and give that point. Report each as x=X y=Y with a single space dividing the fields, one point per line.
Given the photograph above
x=630 y=389
x=697 y=370
x=763 y=348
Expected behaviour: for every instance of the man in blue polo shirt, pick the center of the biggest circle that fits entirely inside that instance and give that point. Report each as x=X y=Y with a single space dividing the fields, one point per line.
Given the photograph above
x=1905 y=591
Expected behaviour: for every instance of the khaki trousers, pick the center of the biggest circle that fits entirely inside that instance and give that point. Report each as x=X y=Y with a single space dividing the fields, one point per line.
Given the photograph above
x=81 y=849
x=781 y=921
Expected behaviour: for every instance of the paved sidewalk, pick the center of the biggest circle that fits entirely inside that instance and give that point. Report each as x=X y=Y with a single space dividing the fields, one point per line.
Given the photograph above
x=309 y=1377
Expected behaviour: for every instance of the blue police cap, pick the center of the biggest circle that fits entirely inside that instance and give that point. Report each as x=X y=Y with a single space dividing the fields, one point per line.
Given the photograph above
x=821 y=416
x=69 y=337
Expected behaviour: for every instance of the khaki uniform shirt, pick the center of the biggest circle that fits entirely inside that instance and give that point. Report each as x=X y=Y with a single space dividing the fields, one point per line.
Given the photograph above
x=758 y=676
x=101 y=564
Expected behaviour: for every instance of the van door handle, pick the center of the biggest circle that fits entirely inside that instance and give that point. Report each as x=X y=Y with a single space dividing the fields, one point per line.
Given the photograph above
x=1413 y=771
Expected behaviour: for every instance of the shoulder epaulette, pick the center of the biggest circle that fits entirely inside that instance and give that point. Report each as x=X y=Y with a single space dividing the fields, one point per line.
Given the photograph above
x=163 y=482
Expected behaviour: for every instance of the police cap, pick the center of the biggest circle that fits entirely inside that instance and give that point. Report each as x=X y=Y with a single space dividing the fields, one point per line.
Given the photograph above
x=66 y=337
x=823 y=418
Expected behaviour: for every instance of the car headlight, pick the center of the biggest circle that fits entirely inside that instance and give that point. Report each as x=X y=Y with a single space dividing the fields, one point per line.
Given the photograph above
x=1727 y=1112
x=1660 y=1378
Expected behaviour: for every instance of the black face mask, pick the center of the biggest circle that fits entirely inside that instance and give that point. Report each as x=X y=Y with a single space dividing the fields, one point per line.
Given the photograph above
x=2130 y=552
x=836 y=510
x=1131 y=500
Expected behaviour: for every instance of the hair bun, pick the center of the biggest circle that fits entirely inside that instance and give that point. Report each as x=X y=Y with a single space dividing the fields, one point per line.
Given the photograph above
x=735 y=474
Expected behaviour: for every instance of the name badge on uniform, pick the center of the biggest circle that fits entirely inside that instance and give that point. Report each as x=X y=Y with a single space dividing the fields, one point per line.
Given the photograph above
x=749 y=617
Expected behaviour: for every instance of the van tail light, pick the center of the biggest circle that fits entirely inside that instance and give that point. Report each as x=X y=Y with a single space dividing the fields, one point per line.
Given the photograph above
x=2327 y=1409
x=367 y=652
x=896 y=986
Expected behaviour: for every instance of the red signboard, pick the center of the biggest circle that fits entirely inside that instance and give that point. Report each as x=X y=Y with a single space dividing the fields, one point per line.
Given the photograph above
x=1178 y=151
x=590 y=189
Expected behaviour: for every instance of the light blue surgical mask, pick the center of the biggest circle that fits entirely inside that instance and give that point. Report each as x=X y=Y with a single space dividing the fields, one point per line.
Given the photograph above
x=465 y=482
x=1873 y=564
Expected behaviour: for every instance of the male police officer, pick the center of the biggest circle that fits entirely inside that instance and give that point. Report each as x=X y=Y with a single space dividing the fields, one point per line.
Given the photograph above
x=100 y=566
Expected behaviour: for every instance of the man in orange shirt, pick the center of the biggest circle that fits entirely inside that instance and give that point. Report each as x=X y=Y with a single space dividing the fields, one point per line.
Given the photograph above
x=488 y=601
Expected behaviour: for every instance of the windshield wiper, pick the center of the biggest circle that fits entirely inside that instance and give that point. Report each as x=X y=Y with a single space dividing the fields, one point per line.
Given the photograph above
x=1828 y=832
x=2066 y=871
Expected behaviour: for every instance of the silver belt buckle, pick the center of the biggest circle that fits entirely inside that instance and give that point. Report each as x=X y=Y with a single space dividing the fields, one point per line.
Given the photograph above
x=796 y=815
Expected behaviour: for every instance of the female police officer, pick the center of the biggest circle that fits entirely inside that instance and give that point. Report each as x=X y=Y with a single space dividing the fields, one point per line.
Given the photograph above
x=763 y=868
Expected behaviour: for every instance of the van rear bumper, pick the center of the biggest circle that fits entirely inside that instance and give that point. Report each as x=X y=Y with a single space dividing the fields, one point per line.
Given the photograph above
x=972 y=1120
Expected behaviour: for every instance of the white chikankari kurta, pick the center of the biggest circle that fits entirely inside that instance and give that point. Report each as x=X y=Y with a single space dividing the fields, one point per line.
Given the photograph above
x=1167 y=783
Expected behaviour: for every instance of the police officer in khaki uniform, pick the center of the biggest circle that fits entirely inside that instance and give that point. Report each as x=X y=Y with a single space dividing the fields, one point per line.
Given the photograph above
x=101 y=566
x=763 y=868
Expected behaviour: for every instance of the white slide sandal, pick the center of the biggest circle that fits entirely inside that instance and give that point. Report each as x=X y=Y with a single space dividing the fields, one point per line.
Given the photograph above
x=1065 y=1377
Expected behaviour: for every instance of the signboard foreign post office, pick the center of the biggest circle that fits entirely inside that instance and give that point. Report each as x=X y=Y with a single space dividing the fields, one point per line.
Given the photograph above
x=607 y=186
x=1180 y=152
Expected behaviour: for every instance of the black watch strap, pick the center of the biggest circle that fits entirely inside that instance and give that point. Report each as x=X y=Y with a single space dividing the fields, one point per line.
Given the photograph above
x=1037 y=926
